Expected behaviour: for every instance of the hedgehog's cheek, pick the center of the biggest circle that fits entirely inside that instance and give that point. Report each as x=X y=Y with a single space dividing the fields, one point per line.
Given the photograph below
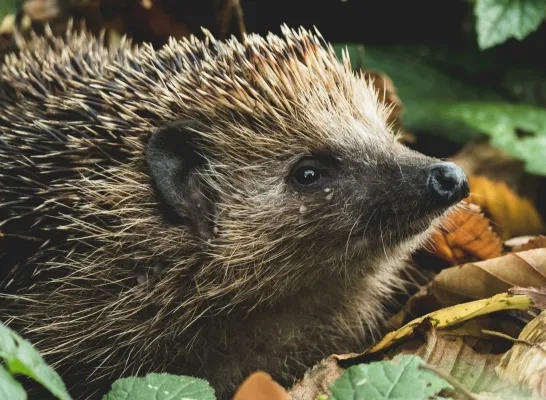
x=175 y=163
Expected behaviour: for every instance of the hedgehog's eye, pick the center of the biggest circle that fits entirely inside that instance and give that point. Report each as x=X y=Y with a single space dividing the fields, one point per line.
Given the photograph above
x=308 y=174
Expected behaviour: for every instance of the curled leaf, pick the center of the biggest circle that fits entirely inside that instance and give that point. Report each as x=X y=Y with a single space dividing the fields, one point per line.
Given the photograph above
x=466 y=235
x=487 y=278
x=525 y=363
x=512 y=215
x=450 y=316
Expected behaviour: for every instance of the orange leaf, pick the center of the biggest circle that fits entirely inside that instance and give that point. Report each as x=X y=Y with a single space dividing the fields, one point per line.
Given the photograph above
x=511 y=214
x=466 y=235
x=260 y=386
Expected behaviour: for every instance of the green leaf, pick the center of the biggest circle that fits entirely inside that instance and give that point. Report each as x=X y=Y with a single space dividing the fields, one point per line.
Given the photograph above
x=161 y=387
x=416 y=80
x=499 y=20
x=8 y=7
x=460 y=110
x=20 y=357
x=9 y=387
x=518 y=129
x=400 y=378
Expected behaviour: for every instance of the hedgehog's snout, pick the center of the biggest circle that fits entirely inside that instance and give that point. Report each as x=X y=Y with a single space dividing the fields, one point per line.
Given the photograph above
x=447 y=183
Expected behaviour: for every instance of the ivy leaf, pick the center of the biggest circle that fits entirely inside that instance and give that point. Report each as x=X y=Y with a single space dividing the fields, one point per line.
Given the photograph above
x=9 y=387
x=20 y=357
x=400 y=378
x=161 y=387
x=499 y=20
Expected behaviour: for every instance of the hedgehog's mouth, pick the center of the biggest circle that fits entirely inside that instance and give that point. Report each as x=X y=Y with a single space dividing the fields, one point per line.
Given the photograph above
x=394 y=230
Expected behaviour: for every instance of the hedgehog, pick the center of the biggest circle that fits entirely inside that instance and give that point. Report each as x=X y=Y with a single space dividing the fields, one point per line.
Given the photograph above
x=208 y=208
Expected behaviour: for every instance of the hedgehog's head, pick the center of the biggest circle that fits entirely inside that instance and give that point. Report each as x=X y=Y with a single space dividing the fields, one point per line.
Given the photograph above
x=285 y=165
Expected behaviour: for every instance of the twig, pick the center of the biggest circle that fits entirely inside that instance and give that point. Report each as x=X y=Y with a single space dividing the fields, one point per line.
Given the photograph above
x=451 y=380
x=517 y=341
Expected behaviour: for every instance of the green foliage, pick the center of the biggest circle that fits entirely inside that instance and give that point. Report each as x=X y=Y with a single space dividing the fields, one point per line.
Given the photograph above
x=20 y=357
x=499 y=20
x=461 y=110
x=161 y=387
x=520 y=130
x=400 y=378
x=9 y=387
x=9 y=7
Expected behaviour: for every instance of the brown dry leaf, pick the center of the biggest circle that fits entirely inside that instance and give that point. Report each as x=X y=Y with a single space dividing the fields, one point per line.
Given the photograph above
x=487 y=278
x=476 y=371
x=538 y=242
x=525 y=363
x=260 y=386
x=387 y=92
x=480 y=158
x=450 y=316
x=465 y=235
x=511 y=214
x=318 y=379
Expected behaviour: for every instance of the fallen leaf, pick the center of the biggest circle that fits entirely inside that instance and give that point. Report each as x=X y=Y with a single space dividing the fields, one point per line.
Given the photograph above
x=318 y=379
x=450 y=316
x=487 y=278
x=260 y=386
x=525 y=363
x=517 y=241
x=475 y=371
x=537 y=294
x=465 y=235
x=387 y=93
x=479 y=157
x=512 y=215
x=538 y=242
x=41 y=10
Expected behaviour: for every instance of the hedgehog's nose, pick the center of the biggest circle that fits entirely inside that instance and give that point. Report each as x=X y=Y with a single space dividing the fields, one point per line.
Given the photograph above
x=447 y=183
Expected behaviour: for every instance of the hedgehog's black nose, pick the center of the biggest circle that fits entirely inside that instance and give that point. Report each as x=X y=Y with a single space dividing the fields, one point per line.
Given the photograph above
x=447 y=183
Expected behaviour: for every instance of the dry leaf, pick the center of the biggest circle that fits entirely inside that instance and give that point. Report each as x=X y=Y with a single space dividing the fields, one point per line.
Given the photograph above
x=480 y=158
x=525 y=363
x=41 y=10
x=476 y=371
x=260 y=386
x=452 y=315
x=512 y=215
x=517 y=241
x=487 y=278
x=466 y=235
x=318 y=379
x=538 y=242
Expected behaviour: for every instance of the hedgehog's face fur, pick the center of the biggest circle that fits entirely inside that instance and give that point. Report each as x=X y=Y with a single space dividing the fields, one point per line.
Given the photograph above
x=306 y=180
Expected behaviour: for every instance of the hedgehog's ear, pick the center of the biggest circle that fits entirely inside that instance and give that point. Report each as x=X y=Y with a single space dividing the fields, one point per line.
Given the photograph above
x=174 y=160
